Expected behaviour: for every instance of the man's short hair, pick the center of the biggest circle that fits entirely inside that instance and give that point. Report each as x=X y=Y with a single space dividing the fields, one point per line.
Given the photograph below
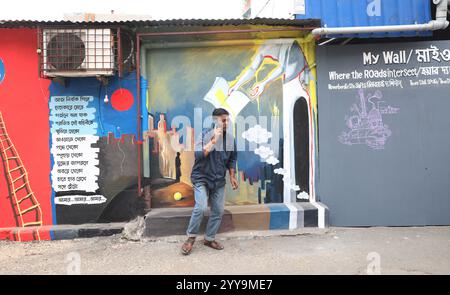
x=220 y=112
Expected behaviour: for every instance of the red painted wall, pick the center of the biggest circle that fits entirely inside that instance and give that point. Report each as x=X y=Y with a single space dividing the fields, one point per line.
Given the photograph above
x=24 y=106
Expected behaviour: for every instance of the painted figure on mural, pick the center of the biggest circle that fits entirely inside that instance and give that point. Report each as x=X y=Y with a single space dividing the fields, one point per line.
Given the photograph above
x=290 y=64
x=178 y=167
x=163 y=152
x=215 y=153
x=168 y=146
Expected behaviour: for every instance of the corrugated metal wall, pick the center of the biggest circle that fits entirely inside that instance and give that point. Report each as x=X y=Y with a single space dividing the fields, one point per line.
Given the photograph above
x=350 y=13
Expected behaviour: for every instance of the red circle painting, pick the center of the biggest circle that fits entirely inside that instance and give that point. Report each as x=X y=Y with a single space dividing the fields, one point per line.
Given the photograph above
x=122 y=99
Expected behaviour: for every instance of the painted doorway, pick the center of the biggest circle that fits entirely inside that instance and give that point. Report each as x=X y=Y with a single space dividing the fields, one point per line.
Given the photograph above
x=301 y=146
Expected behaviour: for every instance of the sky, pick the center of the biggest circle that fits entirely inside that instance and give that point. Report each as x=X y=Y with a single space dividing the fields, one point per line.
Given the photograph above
x=157 y=9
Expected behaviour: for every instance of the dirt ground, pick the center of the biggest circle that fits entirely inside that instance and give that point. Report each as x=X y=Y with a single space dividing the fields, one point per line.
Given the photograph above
x=408 y=250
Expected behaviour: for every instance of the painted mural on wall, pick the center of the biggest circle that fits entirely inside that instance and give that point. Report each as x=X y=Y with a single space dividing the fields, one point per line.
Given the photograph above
x=94 y=150
x=68 y=149
x=258 y=85
x=84 y=131
x=24 y=182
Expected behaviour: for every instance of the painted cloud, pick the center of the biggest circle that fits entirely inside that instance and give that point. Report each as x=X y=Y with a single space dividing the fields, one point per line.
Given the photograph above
x=272 y=160
x=257 y=134
x=264 y=152
x=280 y=171
x=303 y=196
x=295 y=187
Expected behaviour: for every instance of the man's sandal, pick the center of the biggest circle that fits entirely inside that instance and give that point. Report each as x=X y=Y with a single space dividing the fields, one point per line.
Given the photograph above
x=213 y=244
x=186 y=249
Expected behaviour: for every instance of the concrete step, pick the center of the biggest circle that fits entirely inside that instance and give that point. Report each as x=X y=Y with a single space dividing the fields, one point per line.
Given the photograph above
x=61 y=232
x=174 y=221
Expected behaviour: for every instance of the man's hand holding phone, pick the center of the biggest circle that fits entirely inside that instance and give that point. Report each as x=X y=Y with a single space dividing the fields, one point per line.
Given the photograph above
x=217 y=134
x=218 y=131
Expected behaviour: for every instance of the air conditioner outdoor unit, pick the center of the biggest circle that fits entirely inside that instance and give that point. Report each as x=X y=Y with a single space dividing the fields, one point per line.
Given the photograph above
x=78 y=52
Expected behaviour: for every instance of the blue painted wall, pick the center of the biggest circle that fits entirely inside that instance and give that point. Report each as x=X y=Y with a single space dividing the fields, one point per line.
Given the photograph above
x=353 y=13
x=108 y=119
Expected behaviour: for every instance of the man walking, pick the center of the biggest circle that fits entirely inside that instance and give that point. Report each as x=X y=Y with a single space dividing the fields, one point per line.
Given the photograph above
x=215 y=153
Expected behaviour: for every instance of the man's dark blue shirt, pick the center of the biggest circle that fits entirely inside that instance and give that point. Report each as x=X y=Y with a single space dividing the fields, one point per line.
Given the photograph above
x=211 y=170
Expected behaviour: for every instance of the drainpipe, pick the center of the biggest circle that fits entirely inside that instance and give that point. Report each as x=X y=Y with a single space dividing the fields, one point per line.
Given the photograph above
x=439 y=23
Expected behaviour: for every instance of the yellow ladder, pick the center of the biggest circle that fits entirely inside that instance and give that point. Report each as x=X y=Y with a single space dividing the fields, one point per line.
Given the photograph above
x=26 y=208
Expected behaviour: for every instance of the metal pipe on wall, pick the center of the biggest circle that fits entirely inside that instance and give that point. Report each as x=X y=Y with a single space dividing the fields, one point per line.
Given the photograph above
x=187 y=33
x=139 y=118
x=119 y=51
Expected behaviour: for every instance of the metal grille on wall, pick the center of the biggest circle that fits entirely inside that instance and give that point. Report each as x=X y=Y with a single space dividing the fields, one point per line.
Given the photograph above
x=69 y=52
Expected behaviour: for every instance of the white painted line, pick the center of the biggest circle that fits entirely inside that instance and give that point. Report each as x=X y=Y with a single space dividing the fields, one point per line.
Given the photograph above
x=321 y=215
x=292 y=215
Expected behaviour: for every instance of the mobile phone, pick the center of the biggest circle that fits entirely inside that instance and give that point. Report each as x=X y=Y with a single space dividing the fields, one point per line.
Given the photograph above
x=216 y=125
